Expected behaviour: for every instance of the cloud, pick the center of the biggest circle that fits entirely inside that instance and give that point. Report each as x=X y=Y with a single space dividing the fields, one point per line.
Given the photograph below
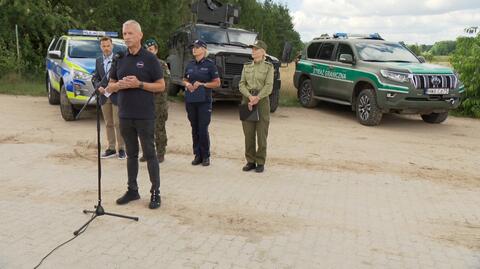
x=412 y=21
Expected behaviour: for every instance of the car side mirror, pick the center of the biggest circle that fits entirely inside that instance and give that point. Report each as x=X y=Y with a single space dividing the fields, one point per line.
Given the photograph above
x=55 y=54
x=346 y=58
x=422 y=59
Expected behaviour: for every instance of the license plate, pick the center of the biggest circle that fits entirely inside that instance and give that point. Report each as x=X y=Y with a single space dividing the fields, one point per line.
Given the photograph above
x=437 y=91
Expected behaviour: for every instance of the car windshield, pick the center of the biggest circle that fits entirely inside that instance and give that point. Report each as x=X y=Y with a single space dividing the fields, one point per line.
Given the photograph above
x=90 y=48
x=221 y=36
x=385 y=52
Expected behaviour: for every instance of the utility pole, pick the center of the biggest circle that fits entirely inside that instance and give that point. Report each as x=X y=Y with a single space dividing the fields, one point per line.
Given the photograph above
x=18 y=48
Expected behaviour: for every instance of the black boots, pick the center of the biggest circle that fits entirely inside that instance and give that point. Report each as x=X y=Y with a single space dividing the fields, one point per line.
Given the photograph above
x=155 y=200
x=128 y=197
x=249 y=166
x=260 y=168
x=197 y=160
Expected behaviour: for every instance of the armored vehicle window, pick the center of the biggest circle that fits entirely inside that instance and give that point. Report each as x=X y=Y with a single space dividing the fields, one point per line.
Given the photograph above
x=212 y=35
x=240 y=37
x=343 y=49
x=326 y=51
x=385 y=52
x=313 y=50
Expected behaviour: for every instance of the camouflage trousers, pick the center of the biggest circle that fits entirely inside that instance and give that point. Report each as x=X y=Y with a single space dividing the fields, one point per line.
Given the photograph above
x=161 y=116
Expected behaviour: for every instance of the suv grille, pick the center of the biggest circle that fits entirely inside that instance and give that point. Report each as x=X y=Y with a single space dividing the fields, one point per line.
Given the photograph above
x=435 y=81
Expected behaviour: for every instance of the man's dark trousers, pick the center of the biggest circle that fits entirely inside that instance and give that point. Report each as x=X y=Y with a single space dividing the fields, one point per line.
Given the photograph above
x=144 y=129
x=199 y=115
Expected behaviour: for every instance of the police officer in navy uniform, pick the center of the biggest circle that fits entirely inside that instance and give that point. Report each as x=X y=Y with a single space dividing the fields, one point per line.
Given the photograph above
x=136 y=77
x=201 y=76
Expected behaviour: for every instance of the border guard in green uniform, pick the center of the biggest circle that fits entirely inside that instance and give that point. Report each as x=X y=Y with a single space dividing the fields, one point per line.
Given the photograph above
x=256 y=84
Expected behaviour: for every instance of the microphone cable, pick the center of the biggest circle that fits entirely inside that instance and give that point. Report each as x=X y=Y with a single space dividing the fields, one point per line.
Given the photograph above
x=62 y=244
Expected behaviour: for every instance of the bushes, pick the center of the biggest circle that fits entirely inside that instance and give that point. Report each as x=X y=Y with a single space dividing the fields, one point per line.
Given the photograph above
x=466 y=61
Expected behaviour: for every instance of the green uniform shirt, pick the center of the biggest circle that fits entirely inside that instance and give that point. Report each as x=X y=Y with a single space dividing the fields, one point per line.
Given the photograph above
x=257 y=77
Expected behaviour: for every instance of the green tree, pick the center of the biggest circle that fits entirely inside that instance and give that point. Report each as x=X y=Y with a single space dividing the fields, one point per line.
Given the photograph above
x=443 y=47
x=466 y=61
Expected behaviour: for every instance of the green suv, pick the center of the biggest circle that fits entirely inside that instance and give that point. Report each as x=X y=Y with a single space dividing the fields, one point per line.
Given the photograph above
x=374 y=77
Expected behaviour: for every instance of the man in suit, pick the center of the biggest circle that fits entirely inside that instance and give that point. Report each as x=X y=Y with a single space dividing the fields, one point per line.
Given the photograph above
x=109 y=104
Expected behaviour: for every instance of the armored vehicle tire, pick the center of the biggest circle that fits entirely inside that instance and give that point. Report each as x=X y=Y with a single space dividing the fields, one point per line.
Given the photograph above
x=173 y=89
x=274 y=99
x=368 y=112
x=305 y=94
x=53 y=95
x=66 y=108
x=435 y=117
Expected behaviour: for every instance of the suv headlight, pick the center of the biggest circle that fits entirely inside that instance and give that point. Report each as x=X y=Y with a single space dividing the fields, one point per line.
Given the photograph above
x=395 y=76
x=81 y=75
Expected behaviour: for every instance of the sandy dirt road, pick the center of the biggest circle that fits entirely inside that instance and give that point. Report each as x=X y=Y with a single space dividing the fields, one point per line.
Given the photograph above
x=403 y=194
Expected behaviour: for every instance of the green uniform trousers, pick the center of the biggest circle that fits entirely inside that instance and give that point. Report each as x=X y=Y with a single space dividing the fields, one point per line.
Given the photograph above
x=257 y=131
x=161 y=116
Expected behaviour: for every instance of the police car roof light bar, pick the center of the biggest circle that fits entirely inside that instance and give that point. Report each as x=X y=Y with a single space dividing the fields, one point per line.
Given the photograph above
x=91 y=33
x=375 y=36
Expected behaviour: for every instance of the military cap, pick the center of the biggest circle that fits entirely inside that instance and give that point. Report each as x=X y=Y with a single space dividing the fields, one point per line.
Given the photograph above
x=259 y=44
x=150 y=42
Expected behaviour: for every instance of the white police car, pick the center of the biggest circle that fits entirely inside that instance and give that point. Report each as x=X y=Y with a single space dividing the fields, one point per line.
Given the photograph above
x=70 y=63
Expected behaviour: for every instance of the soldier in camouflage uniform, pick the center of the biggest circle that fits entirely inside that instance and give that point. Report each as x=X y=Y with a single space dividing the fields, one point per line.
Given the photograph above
x=256 y=85
x=161 y=106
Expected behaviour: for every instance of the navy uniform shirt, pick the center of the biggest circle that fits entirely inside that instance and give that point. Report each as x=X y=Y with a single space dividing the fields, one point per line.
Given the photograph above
x=136 y=103
x=203 y=71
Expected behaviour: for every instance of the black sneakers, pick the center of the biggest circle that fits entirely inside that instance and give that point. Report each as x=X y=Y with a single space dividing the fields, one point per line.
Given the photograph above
x=197 y=160
x=128 y=197
x=122 y=155
x=109 y=153
x=155 y=201
x=249 y=166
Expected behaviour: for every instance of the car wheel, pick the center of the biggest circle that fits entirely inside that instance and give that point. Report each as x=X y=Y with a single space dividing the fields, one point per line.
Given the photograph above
x=66 y=108
x=435 y=117
x=53 y=95
x=305 y=94
x=368 y=112
x=274 y=99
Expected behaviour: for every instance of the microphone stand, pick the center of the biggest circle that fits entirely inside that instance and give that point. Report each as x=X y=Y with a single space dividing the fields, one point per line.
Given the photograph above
x=99 y=211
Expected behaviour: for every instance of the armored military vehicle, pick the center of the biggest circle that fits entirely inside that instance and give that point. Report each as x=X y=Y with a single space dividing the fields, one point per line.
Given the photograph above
x=228 y=47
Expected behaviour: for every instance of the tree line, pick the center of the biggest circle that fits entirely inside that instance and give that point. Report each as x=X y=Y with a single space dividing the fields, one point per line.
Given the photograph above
x=39 y=21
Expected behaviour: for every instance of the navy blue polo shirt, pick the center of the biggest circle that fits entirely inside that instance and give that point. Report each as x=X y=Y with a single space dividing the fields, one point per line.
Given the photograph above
x=203 y=71
x=136 y=103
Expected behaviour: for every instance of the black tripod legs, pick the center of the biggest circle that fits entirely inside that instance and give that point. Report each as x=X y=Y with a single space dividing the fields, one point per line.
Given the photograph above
x=99 y=211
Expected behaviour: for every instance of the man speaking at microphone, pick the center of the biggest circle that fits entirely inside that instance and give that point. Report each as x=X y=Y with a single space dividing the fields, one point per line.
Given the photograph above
x=136 y=77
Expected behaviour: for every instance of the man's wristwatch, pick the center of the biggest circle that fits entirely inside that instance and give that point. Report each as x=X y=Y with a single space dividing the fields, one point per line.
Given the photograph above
x=141 y=85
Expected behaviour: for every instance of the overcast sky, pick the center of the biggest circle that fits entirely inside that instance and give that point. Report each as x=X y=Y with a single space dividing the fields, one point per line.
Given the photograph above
x=412 y=21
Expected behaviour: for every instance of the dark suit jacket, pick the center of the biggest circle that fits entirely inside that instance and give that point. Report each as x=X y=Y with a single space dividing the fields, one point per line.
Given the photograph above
x=99 y=80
